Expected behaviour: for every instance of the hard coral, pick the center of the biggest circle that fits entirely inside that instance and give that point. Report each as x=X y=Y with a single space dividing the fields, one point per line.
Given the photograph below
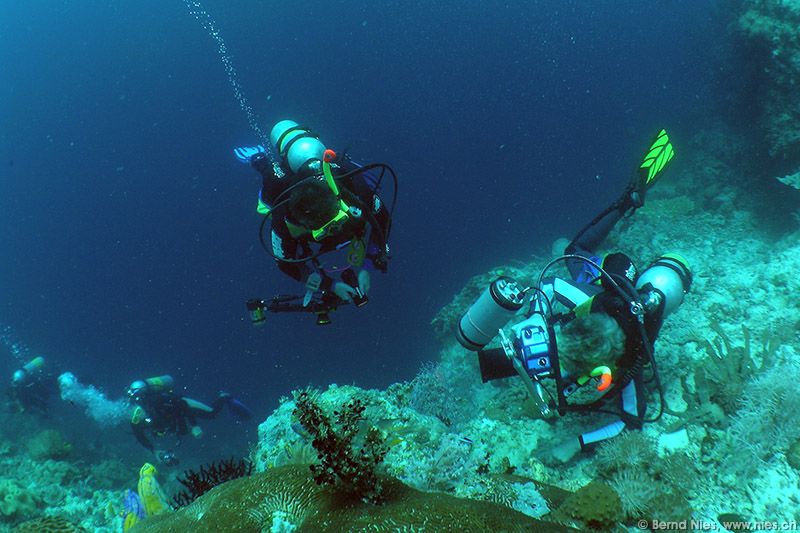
x=289 y=497
x=48 y=524
x=209 y=476
x=596 y=505
x=343 y=463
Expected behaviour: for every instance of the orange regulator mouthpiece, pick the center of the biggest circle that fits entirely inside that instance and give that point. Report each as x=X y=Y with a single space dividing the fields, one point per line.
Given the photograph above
x=605 y=377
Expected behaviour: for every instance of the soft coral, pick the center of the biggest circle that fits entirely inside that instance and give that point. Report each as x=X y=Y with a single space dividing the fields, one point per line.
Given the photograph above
x=344 y=464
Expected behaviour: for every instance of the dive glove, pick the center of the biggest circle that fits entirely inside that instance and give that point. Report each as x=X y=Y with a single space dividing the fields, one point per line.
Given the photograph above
x=344 y=291
x=166 y=457
x=244 y=153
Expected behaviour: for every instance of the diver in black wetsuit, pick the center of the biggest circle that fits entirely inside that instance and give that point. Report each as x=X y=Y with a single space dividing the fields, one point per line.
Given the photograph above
x=160 y=412
x=32 y=387
x=597 y=328
x=329 y=227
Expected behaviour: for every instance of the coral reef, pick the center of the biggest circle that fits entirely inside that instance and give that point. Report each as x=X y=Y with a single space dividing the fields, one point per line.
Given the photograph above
x=595 y=506
x=48 y=444
x=349 y=466
x=16 y=501
x=728 y=367
x=288 y=497
x=770 y=27
x=197 y=483
x=48 y=524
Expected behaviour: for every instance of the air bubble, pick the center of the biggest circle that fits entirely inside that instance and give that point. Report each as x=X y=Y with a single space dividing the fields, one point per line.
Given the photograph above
x=208 y=24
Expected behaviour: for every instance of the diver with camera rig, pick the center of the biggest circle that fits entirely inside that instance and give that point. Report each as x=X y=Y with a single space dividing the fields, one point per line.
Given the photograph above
x=329 y=226
x=586 y=343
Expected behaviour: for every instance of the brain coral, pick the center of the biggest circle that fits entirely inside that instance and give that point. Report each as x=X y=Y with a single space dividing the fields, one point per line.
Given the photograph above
x=289 y=496
x=48 y=524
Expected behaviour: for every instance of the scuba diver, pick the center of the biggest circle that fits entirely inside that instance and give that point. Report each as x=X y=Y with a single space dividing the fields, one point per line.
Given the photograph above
x=329 y=226
x=586 y=344
x=159 y=411
x=32 y=386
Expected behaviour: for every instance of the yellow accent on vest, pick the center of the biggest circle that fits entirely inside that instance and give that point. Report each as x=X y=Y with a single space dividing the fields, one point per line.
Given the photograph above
x=356 y=253
x=584 y=309
x=138 y=415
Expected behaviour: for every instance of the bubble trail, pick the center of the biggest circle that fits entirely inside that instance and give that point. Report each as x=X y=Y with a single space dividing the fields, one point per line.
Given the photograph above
x=207 y=22
x=18 y=350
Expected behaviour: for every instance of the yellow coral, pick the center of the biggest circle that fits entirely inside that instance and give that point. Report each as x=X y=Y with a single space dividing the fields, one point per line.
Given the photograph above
x=150 y=493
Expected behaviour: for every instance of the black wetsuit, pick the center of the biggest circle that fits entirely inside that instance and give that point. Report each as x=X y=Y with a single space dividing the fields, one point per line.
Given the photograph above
x=165 y=413
x=33 y=394
x=358 y=189
x=627 y=391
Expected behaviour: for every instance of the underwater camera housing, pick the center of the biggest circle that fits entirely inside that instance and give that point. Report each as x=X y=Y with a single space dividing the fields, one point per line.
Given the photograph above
x=320 y=307
x=532 y=350
x=491 y=311
x=532 y=354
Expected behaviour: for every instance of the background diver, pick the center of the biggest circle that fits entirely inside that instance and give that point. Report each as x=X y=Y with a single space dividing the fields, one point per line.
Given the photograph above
x=590 y=337
x=32 y=387
x=329 y=227
x=160 y=412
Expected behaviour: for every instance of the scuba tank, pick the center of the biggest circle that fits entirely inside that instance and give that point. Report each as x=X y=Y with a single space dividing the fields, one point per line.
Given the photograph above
x=667 y=279
x=299 y=147
x=34 y=365
x=154 y=384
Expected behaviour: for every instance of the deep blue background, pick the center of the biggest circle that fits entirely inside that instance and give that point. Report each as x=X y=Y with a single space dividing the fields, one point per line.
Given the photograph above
x=128 y=230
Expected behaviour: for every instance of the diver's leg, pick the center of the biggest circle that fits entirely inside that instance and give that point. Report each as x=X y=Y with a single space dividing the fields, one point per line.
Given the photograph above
x=202 y=410
x=591 y=237
x=199 y=409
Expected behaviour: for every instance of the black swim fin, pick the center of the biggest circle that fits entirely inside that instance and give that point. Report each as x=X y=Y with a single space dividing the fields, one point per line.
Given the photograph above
x=239 y=410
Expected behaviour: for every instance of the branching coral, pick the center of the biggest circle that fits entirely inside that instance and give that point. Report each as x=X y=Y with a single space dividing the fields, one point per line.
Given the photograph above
x=643 y=480
x=209 y=476
x=343 y=463
x=632 y=449
x=728 y=366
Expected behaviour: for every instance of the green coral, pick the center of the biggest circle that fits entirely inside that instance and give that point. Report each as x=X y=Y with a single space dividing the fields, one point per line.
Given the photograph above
x=289 y=496
x=15 y=500
x=596 y=506
x=48 y=444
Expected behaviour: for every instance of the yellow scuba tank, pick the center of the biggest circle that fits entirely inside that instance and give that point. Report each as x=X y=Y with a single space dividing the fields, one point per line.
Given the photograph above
x=34 y=365
x=160 y=383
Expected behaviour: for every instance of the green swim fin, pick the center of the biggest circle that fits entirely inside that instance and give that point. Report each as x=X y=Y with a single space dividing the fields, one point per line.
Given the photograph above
x=655 y=161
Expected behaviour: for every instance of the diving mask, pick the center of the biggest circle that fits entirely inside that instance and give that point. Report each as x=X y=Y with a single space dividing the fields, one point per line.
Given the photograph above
x=333 y=224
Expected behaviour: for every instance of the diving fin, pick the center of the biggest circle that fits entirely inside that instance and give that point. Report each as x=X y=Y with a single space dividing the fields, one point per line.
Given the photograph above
x=655 y=161
x=652 y=167
x=239 y=410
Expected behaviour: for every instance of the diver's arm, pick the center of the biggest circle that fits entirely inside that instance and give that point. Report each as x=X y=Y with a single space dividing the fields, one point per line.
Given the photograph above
x=377 y=247
x=139 y=433
x=633 y=408
x=286 y=247
x=271 y=185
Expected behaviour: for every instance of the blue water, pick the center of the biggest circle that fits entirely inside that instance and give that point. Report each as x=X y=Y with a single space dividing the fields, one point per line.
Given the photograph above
x=128 y=230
